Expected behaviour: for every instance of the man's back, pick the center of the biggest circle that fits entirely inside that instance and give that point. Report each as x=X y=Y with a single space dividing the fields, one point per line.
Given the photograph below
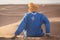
x=31 y=24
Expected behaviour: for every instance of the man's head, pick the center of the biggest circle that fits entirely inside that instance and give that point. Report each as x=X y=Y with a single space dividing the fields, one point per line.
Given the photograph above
x=32 y=7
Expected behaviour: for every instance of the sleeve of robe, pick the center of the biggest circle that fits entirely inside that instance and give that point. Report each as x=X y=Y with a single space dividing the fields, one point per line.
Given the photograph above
x=22 y=25
x=47 y=24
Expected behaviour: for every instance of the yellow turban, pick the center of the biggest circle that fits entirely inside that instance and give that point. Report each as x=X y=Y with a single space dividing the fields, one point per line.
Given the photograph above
x=32 y=7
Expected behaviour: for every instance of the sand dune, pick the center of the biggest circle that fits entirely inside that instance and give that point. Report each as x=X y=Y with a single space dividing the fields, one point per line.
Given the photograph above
x=8 y=30
x=11 y=14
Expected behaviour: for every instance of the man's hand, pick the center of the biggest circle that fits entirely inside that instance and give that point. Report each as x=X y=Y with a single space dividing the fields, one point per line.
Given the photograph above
x=14 y=37
x=47 y=34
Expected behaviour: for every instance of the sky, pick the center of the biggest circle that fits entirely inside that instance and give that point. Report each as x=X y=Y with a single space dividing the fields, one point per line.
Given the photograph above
x=27 y=1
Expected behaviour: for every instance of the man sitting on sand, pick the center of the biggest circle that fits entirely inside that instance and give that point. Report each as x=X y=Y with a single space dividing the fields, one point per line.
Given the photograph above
x=31 y=23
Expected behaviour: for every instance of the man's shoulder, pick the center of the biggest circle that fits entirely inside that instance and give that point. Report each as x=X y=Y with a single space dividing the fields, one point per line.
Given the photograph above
x=39 y=13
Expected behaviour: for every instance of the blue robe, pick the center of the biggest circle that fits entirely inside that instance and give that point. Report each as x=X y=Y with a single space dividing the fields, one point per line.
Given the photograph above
x=31 y=24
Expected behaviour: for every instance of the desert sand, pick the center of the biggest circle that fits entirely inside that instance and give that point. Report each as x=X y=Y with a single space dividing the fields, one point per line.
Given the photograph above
x=11 y=15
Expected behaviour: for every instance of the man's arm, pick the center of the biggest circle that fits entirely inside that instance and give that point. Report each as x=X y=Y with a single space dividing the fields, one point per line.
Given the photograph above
x=47 y=25
x=21 y=26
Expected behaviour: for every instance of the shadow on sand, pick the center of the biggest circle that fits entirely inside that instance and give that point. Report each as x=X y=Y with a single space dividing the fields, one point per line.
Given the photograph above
x=33 y=38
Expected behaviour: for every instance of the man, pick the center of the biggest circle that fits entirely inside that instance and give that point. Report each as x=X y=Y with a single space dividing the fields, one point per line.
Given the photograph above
x=31 y=23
